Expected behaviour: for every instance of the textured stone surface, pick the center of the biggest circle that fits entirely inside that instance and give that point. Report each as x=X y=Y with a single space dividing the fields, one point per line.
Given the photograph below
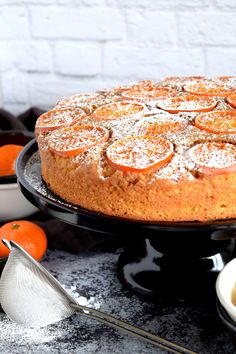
x=93 y=276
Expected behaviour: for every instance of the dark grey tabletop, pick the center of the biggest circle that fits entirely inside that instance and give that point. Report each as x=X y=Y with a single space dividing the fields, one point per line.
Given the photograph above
x=91 y=277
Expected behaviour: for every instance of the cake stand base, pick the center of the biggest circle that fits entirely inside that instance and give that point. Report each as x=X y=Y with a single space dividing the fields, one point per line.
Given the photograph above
x=172 y=267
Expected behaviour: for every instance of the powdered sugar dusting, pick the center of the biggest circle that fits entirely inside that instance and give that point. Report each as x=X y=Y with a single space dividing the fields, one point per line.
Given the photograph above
x=208 y=87
x=77 y=137
x=82 y=300
x=118 y=110
x=139 y=152
x=187 y=103
x=213 y=154
x=218 y=122
x=57 y=118
x=179 y=128
x=148 y=93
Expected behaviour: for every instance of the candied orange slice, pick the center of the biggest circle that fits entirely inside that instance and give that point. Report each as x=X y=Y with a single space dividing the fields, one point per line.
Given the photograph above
x=231 y=100
x=187 y=103
x=207 y=88
x=214 y=157
x=161 y=124
x=148 y=93
x=139 y=153
x=77 y=100
x=8 y=156
x=218 y=122
x=77 y=139
x=180 y=79
x=57 y=118
x=144 y=83
x=226 y=80
x=117 y=110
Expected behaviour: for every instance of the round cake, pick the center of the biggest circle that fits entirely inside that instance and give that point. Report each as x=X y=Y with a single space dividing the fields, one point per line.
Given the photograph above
x=153 y=151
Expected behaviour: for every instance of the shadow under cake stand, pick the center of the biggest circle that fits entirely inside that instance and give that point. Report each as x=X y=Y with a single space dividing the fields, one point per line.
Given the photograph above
x=161 y=260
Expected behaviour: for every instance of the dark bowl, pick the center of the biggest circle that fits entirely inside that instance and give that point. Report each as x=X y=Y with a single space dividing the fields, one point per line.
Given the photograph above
x=17 y=137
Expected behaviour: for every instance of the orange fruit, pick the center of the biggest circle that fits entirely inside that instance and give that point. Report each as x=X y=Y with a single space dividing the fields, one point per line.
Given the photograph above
x=117 y=110
x=77 y=139
x=139 y=153
x=214 y=158
x=57 y=118
x=218 y=122
x=8 y=156
x=28 y=235
x=187 y=103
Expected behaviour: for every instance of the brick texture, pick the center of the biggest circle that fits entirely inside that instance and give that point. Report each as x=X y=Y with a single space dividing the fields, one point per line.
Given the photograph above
x=76 y=59
x=72 y=23
x=54 y=48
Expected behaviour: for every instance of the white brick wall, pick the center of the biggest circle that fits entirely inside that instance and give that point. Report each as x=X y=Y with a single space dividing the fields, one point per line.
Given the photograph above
x=52 y=48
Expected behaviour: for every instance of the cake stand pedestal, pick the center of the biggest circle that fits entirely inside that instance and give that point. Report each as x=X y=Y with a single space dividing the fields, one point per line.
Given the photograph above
x=160 y=261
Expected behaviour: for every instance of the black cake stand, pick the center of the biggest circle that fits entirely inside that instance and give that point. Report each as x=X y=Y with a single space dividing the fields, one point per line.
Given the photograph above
x=162 y=260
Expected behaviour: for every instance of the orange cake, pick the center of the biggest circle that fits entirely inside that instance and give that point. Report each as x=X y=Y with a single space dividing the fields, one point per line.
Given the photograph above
x=155 y=151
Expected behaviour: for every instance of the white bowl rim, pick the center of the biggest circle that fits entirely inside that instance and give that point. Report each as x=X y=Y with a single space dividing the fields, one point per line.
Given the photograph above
x=9 y=186
x=227 y=303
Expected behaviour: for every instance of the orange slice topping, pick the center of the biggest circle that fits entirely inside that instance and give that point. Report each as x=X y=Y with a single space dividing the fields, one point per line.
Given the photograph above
x=77 y=139
x=118 y=110
x=161 y=124
x=148 y=93
x=187 y=103
x=226 y=80
x=139 y=153
x=8 y=156
x=58 y=118
x=231 y=100
x=208 y=88
x=214 y=157
x=218 y=122
x=77 y=100
x=180 y=79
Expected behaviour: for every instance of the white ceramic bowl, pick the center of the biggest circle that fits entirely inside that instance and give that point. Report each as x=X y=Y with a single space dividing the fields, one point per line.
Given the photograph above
x=225 y=283
x=13 y=204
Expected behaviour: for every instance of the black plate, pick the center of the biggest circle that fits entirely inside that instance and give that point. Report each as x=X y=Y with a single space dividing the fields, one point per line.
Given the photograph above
x=28 y=170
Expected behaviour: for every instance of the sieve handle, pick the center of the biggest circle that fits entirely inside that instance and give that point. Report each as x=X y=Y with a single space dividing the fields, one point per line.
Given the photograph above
x=130 y=329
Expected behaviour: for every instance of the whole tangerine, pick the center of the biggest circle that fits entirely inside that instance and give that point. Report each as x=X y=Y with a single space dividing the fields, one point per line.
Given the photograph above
x=28 y=235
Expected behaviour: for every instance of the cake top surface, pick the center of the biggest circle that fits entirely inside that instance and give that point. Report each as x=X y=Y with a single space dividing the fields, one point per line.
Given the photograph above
x=159 y=127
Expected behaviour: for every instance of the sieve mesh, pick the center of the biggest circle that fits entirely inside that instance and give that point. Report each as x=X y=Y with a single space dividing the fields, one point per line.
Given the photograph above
x=27 y=295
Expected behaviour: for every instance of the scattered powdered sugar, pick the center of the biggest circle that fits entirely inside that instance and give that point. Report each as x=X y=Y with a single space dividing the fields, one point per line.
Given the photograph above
x=21 y=335
x=82 y=300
